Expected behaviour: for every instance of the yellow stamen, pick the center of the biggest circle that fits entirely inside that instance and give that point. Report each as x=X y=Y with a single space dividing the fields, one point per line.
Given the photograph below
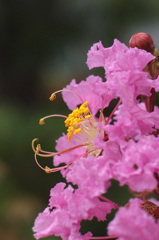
x=47 y=169
x=38 y=151
x=52 y=97
x=41 y=121
x=75 y=118
x=88 y=116
x=77 y=130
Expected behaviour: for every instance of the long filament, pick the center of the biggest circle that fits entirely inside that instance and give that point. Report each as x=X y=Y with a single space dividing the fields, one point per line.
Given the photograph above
x=53 y=95
x=38 y=149
x=56 y=169
x=108 y=200
x=41 y=122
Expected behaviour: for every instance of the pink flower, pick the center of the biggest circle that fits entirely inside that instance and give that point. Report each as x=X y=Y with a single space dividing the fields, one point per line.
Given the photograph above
x=134 y=223
x=67 y=208
x=98 y=55
x=138 y=164
x=118 y=57
x=99 y=147
x=124 y=69
x=132 y=122
x=90 y=173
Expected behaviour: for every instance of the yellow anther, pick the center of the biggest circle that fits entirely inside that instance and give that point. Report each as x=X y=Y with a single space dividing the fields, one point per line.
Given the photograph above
x=74 y=119
x=85 y=103
x=88 y=116
x=69 y=135
x=86 y=111
x=52 y=97
x=41 y=121
x=70 y=128
x=47 y=169
x=38 y=148
x=77 y=131
x=77 y=120
x=67 y=121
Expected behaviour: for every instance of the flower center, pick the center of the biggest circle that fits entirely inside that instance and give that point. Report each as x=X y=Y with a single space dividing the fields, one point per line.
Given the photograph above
x=81 y=121
x=82 y=127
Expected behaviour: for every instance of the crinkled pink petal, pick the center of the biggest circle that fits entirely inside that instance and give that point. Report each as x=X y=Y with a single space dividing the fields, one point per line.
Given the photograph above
x=130 y=59
x=92 y=90
x=62 y=144
x=132 y=122
x=118 y=57
x=62 y=218
x=138 y=164
x=98 y=55
x=48 y=224
x=134 y=223
x=90 y=173
x=67 y=208
x=129 y=84
x=101 y=209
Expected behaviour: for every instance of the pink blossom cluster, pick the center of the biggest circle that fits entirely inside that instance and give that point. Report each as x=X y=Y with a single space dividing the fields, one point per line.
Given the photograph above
x=123 y=146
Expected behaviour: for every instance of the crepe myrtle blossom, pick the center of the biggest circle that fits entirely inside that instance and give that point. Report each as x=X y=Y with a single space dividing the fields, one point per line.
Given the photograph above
x=99 y=147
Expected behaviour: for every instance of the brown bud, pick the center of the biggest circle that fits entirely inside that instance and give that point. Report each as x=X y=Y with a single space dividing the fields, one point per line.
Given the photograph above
x=151 y=209
x=143 y=41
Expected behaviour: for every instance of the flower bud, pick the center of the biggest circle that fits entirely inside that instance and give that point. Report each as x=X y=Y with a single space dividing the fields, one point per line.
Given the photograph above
x=143 y=41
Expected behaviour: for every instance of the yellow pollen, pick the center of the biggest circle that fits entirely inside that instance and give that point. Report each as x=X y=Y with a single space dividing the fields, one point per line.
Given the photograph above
x=75 y=118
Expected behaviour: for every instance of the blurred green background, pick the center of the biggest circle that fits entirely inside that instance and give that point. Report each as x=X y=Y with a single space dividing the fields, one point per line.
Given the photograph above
x=43 y=45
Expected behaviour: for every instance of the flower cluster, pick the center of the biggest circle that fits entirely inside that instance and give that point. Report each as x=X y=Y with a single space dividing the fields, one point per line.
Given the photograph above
x=98 y=148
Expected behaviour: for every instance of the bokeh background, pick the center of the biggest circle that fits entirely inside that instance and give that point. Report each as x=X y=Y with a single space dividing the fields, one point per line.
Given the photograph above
x=43 y=45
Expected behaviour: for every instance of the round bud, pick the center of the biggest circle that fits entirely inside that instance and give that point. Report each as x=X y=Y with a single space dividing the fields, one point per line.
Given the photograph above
x=143 y=41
